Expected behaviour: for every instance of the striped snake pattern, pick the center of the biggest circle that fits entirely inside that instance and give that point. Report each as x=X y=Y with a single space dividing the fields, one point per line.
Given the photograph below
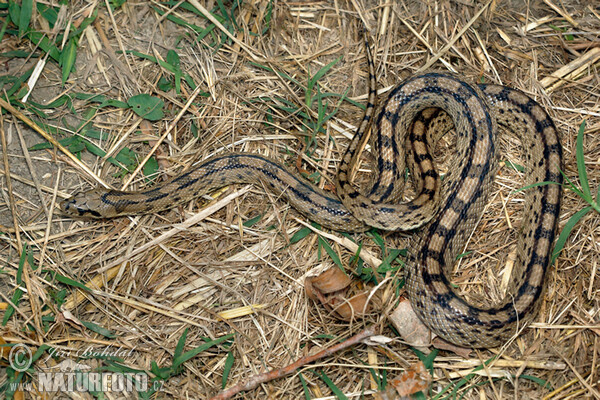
x=416 y=113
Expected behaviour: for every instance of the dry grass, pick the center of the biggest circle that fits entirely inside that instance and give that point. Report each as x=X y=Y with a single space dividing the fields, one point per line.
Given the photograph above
x=152 y=279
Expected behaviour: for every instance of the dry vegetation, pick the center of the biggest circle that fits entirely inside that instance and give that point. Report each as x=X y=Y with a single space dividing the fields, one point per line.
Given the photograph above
x=152 y=279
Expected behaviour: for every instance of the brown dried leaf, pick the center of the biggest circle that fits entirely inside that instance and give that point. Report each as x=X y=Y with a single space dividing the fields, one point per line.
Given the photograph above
x=414 y=380
x=332 y=289
x=352 y=307
x=410 y=327
x=331 y=280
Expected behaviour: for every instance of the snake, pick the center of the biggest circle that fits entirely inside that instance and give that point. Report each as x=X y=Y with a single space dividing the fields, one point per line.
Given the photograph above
x=442 y=214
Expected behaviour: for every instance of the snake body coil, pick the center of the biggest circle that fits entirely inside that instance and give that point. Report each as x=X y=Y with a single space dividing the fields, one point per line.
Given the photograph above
x=447 y=213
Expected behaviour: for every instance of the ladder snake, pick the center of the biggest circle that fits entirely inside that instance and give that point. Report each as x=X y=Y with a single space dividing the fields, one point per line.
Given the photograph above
x=445 y=211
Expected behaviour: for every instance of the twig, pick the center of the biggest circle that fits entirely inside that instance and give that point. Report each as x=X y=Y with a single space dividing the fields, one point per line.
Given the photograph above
x=51 y=139
x=171 y=126
x=572 y=70
x=9 y=189
x=254 y=381
x=73 y=301
x=454 y=39
x=219 y=25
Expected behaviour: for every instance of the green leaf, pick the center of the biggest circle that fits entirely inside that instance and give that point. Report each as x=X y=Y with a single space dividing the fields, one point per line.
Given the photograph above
x=65 y=142
x=114 y=4
x=334 y=256
x=336 y=391
x=4 y=26
x=147 y=107
x=39 y=352
x=177 y=361
x=25 y=17
x=50 y=14
x=61 y=101
x=162 y=373
x=572 y=186
x=22 y=259
x=534 y=185
x=564 y=234
x=516 y=167
x=377 y=239
x=98 y=329
x=67 y=59
x=304 y=386
x=165 y=84
x=180 y=344
x=26 y=256
x=92 y=148
x=542 y=382
x=252 y=221
x=68 y=281
x=227 y=368
x=127 y=158
x=300 y=234
x=173 y=58
x=10 y=310
x=14 y=11
x=386 y=263
x=16 y=54
x=150 y=169
x=426 y=359
x=320 y=73
x=113 y=103
x=44 y=43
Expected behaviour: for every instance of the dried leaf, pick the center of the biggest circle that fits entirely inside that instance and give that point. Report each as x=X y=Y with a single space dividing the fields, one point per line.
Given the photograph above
x=331 y=280
x=410 y=327
x=414 y=380
x=350 y=308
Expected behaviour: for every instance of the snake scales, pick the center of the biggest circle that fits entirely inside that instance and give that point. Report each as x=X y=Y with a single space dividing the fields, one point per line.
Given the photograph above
x=447 y=213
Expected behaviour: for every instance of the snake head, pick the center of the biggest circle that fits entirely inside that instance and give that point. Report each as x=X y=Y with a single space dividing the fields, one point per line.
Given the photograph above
x=88 y=204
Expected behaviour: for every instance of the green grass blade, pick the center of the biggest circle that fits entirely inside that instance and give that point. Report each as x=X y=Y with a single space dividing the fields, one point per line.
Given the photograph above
x=331 y=252
x=564 y=234
x=99 y=330
x=320 y=73
x=304 y=386
x=542 y=382
x=14 y=11
x=10 y=310
x=67 y=59
x=337 y=391
x=40 y=40
x=252 y=221
x=572 y=186
x=25 y=17
x=227 y=368
x=300 y=234
x=180 y=344
x=68 y=281
x=281 y=74
x=534 y=185
x=177 y=361
x=3 y=29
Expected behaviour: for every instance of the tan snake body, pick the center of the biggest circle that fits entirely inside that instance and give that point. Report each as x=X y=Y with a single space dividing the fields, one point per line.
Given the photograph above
x=448 y=211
